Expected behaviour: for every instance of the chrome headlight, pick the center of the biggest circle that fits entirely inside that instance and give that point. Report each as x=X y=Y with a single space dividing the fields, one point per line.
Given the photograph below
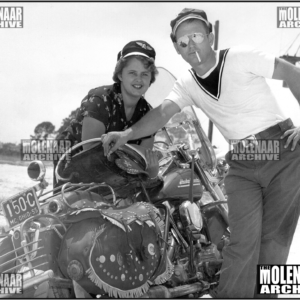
x=190 y=215
x=36 y=170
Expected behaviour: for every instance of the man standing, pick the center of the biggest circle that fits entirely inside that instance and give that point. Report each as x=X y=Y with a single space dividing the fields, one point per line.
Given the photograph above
x=263 y=195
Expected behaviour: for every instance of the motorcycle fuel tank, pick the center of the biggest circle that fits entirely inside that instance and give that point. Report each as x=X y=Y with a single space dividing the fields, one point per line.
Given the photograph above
x=177 y=184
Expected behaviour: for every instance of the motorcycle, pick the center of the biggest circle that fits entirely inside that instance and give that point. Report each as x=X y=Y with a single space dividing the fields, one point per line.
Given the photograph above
x=111 y=231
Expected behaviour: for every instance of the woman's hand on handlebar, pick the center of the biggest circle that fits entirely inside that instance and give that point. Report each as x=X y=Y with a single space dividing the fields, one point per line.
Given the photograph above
x=153 y=166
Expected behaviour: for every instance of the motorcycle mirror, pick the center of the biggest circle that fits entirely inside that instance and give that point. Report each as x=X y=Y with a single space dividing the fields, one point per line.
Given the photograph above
x=36 y=170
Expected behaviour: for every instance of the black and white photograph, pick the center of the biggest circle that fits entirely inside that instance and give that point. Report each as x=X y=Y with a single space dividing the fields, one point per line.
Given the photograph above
x=149 y=149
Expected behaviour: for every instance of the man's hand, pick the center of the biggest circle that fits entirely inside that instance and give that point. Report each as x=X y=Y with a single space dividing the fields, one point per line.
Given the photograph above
x=294 y=135
x=114 y=140
x=147 y=125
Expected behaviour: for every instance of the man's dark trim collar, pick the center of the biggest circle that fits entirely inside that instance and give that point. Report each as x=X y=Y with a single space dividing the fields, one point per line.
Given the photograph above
x=211 y=85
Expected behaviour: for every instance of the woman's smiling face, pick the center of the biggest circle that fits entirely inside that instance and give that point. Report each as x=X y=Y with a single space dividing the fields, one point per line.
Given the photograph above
x=135 y=79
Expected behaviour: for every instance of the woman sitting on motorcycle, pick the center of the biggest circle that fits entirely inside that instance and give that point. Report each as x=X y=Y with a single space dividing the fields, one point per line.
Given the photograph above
x=118 y=106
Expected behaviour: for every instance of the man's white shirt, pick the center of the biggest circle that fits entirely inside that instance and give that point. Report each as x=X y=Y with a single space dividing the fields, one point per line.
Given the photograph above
x=234 y=93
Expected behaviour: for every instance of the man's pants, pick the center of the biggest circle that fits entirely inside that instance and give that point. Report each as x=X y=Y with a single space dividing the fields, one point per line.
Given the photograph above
x=263 y=202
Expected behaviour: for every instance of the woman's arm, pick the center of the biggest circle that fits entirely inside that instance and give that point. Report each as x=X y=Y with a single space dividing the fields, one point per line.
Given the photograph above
x=147 y=125
x=91 y=128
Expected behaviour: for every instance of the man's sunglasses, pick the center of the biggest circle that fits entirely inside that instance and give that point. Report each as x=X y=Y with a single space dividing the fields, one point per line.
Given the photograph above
x=196 y=38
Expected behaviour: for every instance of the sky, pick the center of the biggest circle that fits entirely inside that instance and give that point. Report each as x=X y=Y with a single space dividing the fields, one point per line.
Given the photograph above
x=66 y=49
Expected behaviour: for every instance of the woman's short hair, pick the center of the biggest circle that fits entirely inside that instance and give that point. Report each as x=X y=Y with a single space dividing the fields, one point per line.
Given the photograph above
x=149 y=64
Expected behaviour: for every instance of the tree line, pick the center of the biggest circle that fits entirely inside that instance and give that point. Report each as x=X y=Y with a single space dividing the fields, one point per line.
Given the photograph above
x=43 y=130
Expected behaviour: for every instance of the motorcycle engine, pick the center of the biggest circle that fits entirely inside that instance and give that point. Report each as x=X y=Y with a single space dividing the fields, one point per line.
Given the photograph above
x=207 y=259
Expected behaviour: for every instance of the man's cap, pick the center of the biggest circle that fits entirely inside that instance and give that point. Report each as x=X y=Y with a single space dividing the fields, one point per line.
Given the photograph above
x=137 y=48
x=189 y=13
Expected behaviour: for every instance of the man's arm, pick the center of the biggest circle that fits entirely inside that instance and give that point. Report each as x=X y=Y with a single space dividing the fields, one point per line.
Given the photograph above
x=290 y=74
x=150 y=123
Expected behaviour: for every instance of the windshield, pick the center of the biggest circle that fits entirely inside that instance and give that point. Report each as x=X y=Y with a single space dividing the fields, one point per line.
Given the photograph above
x=185 y=128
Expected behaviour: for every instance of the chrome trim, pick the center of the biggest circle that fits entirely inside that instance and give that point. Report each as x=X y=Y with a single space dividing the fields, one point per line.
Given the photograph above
x=58 y=204
x=185 y=216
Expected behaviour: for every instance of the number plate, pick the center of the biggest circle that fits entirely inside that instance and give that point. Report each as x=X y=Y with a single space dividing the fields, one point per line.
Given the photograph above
x=20 y=207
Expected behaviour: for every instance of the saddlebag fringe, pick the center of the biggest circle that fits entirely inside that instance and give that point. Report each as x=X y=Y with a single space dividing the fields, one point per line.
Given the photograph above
x=150 y=223
x=113 y=291
x=158 y=219
x=113 y=221
x=140 y=214
x=160 y=223
x=162 y=278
